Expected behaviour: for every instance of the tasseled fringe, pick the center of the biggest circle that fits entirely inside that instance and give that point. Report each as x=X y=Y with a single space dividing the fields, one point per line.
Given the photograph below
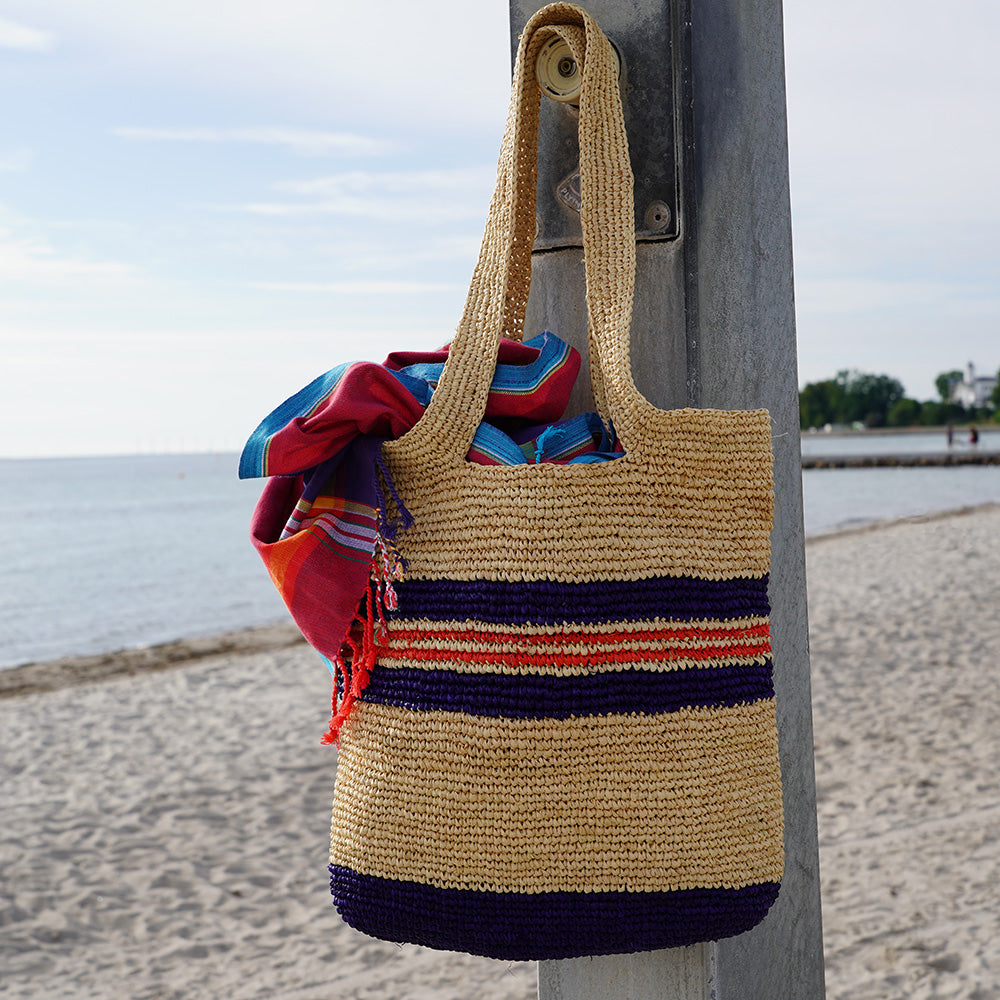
x=388 y=564
x=351 y=670
x=388 y=527
x=387 y=567
x=352 y=667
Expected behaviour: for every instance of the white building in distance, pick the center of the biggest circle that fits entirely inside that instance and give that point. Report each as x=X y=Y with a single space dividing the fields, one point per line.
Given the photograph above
x=974 y=390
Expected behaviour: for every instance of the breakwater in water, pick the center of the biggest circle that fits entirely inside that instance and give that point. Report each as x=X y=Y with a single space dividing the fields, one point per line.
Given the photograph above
x=912 y=460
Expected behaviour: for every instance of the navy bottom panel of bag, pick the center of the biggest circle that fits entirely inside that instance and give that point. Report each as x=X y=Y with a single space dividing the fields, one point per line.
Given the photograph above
x=546 y=925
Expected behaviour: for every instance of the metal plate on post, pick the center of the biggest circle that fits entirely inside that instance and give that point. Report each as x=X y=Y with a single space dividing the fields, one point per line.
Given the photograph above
x=642 y=32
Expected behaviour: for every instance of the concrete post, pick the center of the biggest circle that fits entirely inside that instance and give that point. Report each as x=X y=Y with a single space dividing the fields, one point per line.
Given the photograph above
x=714 y=327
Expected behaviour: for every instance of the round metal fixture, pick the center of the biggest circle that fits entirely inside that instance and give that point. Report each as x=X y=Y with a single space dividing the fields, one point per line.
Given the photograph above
x=558 y=74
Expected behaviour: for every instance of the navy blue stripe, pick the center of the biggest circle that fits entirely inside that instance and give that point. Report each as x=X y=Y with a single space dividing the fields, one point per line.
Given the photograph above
x=547 y=696
x=547 y=925
x=547 y=602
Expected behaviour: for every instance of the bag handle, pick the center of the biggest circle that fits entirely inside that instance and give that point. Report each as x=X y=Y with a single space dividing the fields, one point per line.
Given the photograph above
x=498 y=292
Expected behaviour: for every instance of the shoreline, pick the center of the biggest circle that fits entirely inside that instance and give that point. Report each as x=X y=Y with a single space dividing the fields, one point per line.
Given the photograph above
x=53 y=675
x=873 y=526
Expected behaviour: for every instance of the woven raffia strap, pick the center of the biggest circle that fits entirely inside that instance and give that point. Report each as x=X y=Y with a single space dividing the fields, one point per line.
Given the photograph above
x=499 y=289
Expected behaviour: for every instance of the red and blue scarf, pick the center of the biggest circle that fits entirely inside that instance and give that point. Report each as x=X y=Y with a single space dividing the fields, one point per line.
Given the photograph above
x=320 y=525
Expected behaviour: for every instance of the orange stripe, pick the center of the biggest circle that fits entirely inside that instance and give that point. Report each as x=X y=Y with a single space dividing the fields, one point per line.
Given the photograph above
x=580 y=659
x=563 y=638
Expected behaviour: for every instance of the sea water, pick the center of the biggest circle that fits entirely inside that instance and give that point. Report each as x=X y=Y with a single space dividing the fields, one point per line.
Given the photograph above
x=102 y=554
x=106 y=553
x=834 y=499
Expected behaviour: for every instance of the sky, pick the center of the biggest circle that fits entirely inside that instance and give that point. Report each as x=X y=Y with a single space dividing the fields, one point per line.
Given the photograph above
x=204 y=205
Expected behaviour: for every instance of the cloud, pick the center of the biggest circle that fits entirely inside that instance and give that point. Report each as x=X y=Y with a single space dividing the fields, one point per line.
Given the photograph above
x=425 y=196
x=304 y=141
x=16 y=160
x=359 y=287
x=31 y=259
x=23 y=38
x=894 y=198
x=328 y=56
x=459 y=181
x=378 y=256
x=864 y=296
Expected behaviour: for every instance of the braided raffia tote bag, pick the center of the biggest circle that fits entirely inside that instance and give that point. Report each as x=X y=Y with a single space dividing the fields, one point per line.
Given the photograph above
x=568 y=743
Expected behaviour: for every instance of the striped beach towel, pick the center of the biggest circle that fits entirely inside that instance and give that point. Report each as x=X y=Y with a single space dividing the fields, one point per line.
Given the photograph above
x=321 y=527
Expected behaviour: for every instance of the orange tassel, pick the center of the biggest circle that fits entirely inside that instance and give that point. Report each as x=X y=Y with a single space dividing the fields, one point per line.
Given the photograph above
x=353 y=665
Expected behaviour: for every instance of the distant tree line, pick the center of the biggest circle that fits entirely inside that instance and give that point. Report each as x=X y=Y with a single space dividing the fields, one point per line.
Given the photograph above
x=855 y=397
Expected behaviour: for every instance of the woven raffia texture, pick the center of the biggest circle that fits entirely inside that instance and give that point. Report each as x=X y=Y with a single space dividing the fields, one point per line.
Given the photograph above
x=568 y=744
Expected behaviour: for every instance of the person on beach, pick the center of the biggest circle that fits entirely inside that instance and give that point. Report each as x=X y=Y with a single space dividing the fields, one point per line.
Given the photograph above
x=973 y=435
x=950 y=430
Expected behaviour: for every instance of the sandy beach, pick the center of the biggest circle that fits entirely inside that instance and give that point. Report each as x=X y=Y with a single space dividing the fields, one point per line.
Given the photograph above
x=163 y=830
x=905 y=645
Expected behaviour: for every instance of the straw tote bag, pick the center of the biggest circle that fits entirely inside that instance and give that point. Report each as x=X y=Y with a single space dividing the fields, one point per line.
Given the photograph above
x=568 y=746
